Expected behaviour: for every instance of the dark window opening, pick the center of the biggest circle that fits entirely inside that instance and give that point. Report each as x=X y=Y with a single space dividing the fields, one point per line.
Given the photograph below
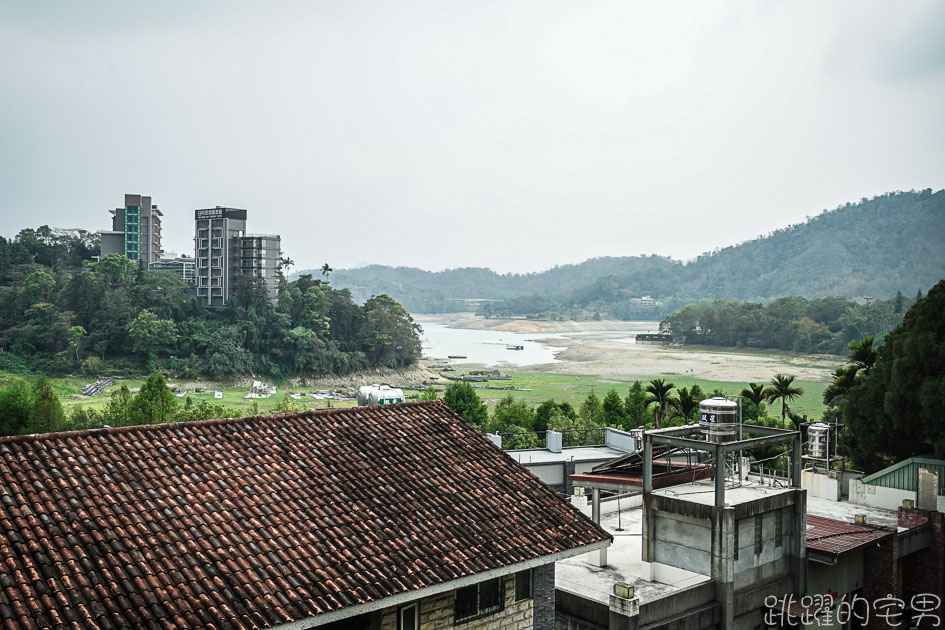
x=523 y=585
x=408 y=618
x=479 y=599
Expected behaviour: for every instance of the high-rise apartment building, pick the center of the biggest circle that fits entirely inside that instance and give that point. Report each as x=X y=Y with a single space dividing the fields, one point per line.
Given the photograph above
x=224 y=252
x=259 y=257
x=136 y=231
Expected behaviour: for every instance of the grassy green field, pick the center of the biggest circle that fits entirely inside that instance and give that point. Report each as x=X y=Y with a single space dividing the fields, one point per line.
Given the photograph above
x=542 y=386
x=575 y=389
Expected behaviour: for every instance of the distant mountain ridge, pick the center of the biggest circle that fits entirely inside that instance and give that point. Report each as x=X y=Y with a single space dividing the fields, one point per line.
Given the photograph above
x=876 y=247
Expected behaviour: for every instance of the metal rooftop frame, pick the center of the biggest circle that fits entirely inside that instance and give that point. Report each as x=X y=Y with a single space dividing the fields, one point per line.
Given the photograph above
x=671 y=436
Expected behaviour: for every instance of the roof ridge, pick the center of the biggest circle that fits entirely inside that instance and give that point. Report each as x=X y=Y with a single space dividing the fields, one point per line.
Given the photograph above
x=163 y=426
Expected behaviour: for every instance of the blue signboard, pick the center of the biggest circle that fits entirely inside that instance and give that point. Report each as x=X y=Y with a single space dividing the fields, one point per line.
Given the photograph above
x=709 y=417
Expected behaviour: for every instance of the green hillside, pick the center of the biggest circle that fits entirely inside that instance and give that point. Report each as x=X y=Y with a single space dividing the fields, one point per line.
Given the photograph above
x=873 y=248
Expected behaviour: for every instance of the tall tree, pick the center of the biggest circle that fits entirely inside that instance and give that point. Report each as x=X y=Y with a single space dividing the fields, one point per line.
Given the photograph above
x=509 y=413
x=895 y=411
x=862 y=353
x=635 y=406
x=592 y=413
x=782 y=389
x=16 y=405
x=657 y=393
x=755 y=392
x=613 y=409
x=47 y=415
x=463 y=399
x=154 y=403
x=684 y=404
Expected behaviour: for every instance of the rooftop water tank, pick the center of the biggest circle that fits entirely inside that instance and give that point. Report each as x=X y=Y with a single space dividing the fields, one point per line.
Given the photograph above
x=371 y=395
x=817 y=440
x=718 y=419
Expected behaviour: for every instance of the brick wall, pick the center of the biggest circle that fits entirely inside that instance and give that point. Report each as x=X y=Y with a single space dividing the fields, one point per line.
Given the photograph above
x=912 y=518
x=923 y=572
x=436 y=612
x=881 y=575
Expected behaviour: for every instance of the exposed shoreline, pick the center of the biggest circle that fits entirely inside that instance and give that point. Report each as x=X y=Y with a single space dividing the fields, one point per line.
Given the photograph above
x=602 y=355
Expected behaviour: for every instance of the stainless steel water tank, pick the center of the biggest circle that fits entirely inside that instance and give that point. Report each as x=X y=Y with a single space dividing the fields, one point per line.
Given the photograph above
x=718 y=419
x=817 y=440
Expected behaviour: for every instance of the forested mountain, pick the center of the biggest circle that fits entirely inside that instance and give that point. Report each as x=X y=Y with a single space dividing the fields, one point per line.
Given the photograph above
x=874 y=248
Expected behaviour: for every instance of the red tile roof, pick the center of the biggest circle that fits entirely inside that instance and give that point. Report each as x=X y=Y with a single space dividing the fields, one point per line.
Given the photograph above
x=251 y=522
x=836 y=537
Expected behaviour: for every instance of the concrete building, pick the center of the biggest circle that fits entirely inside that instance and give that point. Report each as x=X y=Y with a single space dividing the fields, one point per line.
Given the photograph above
x=184 y=266
x=136 y=231
x=224 y=252
x=749 y=550
x=259 y=258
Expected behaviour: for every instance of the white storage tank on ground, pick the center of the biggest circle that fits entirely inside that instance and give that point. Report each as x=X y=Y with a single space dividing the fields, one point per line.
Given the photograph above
x=371 y=395
x=718 y=419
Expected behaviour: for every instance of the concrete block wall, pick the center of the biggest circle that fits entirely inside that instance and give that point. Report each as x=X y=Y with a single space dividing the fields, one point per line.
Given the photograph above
x=436 y=612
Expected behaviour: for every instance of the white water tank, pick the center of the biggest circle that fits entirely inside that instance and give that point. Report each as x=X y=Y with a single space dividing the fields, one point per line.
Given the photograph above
x=817 y=440
x=371 y=395
x=718 y=419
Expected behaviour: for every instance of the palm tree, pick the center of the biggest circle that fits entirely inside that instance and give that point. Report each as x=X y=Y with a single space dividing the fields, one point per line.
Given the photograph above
x=657 y=391
x=684 y=404
x=783 y=390
x=285 y=263
x=843 y=380
x=326 y=270
x=755 y=392
x=862 y=353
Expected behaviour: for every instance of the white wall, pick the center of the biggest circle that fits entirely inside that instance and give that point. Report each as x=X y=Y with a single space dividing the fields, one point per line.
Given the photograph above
x=878 y=496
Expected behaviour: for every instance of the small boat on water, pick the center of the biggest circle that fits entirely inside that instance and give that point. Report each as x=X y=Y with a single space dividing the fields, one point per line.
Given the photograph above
x=514 y=347
x=456 y=356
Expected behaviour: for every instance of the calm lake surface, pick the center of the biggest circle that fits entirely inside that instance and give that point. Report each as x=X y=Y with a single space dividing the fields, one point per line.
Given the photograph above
x=489 y=346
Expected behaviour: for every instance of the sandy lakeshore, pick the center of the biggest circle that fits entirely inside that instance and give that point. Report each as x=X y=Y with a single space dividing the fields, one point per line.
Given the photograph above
x=601 y=354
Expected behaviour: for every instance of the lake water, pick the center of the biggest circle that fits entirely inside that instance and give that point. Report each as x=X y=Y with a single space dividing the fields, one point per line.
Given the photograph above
x=489 y=346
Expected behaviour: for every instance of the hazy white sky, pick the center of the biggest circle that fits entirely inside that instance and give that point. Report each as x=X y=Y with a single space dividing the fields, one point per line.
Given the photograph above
x=513 y=135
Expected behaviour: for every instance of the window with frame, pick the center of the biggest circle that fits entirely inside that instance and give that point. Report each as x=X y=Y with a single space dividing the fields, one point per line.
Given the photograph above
x=408 y=617
x=479 y=599
x=523 y=585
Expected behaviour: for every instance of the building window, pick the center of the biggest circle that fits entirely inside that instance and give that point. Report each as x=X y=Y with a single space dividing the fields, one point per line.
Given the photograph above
x=408 y=617
x=523 y=585
x=479 y=599
x=778 y=528
x=759 y=521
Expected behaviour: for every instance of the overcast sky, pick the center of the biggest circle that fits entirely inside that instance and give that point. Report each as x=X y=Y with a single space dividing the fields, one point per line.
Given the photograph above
x=512 y=135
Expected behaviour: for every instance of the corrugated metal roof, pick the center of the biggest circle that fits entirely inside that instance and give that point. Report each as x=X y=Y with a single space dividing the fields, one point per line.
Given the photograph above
x=833 y=537
x=903 y=475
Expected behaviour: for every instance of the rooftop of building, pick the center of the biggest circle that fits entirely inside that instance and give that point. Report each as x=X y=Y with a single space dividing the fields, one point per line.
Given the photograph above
x=567 y=454
x=703 y=491
x=833 y=537
x=579 y=576
x=253 y=522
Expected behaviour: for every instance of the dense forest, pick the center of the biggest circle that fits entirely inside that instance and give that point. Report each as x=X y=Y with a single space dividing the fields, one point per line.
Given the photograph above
x=874 y=248
x=890 y=397
x=62 y=310
x=797 y=324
